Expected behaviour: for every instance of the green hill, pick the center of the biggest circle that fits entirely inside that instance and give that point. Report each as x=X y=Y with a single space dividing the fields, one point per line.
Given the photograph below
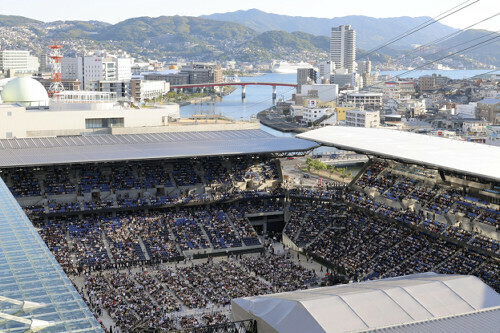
x=370 y=32
x=296 y=40
x=146 y=28
x=12 y=21
x=77 y=29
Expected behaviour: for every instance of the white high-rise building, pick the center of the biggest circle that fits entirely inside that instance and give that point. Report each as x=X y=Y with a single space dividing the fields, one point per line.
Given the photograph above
x=326 y=68
x=90 y=70
x=123 y=69
x=343 y=47
x=19 y=61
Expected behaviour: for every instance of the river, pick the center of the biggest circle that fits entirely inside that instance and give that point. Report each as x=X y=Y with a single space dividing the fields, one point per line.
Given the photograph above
x=259 y=98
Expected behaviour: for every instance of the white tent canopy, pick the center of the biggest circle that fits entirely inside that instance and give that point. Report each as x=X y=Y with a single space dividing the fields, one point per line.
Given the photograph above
x=367 y=305
x=459 y=156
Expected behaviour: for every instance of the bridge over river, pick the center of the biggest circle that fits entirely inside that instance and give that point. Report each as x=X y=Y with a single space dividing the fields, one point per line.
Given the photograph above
x=242 y=84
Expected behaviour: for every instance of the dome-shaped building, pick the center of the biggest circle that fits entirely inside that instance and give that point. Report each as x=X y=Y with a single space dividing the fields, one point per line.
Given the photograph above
x=25 y=91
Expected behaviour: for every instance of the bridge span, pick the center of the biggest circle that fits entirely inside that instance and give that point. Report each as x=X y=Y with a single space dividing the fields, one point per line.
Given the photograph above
x=242 y=84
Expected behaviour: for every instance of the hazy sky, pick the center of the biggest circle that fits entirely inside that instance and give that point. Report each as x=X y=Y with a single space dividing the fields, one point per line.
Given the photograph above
x=113 y=11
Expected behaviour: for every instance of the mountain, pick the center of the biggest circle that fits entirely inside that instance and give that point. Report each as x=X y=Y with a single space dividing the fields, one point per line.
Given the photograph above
x=284 y=45
x=370 y=32
x=167 y=38
x=76 y=29
x=12 y=21
x=488 y=53
x=140 y=29
x=295 y=40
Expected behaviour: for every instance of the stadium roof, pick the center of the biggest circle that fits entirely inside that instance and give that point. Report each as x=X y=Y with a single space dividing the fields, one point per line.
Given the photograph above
x=458 y=156
x=34 y=290
x=414 y=300
x=102 y=148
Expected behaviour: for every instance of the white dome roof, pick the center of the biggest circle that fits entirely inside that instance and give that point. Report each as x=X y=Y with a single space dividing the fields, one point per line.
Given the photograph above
x=25 y=91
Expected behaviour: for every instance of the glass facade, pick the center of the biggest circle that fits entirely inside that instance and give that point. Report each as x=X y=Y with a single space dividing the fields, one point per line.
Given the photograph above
x=29 y=272
x=104 y=122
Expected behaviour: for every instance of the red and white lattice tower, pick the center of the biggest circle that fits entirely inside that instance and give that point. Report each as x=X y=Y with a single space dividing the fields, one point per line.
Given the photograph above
x=55 y=58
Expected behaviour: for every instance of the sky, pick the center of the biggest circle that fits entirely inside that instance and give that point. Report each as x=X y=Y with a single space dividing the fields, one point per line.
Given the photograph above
x=113 y=11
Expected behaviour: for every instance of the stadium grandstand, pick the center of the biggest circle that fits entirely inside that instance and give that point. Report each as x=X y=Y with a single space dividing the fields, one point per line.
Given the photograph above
x=168 y=232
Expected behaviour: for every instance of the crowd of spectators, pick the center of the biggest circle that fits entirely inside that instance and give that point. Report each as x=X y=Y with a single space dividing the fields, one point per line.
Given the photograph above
x=122 y=244
x=136 y=238
x=143 y=175
x=441 y=199
x=283 y=273
x=428 y=199
x=304 y=224
x=163 y=296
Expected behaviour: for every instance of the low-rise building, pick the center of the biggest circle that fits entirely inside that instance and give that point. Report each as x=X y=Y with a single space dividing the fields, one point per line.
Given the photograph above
x=143 y=89
x=28 y=112
x=475 y=126
x=489 y=109
x=362 y=118
x=366 y=99
x=397 y=90
x=325 y=92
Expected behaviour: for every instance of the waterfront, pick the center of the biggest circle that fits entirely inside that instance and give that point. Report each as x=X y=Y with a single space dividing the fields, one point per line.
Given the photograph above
x=454 y=74
x=259 y=98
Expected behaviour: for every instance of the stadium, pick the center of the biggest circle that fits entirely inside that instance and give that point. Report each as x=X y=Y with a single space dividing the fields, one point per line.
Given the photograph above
x=201 y=232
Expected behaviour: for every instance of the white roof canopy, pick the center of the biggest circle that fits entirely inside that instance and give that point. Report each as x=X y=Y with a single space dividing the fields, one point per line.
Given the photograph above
x=368 y=305
x=437 y=152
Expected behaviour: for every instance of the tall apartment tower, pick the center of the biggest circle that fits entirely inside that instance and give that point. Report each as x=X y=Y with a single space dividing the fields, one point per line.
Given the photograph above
x=343 y=47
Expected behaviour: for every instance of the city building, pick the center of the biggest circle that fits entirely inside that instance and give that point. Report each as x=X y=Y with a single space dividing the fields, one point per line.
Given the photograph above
x=120 y=88
x=466 y=110
x=325 y=92
x=123 y=69
x=18 y=61
x=45 y=65
x=344 y=79
x=432 y=82
x=365 y=71
x=366 y=99
x=88 y=70
x=143 y=89
x=326 y=69
x=93 y=69
x=319 y=115
x=475 y=126
x=28 y=112
x=397 y=90
x=305 y=76
x=172 y=78
x=195 y=73
x=362 y=118
x=343 y=47
x=489 y=109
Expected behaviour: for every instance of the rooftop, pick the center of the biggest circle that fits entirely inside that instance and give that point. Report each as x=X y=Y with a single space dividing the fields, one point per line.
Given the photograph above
x=418 y=301
x=453 y=155
x=104 y=148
